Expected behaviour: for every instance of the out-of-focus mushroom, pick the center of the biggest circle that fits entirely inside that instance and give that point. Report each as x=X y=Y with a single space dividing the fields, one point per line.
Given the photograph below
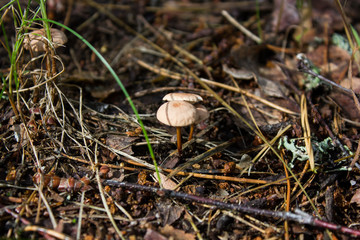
x=187 y=97
x=177 y=114
x=201 y=115
x=36 y=40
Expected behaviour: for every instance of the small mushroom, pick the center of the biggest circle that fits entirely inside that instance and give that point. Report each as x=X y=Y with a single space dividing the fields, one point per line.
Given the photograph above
x=193 y=99
x=36 y=40
x=201 y=115
x=177 y=114
x=187 y=97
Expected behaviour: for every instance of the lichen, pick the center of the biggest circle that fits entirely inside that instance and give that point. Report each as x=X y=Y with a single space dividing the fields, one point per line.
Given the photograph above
x=299 y=153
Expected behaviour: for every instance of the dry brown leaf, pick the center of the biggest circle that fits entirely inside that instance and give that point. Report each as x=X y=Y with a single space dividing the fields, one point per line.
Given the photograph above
x=121 y=143
x=353 y=84
x=356 y=197
x=170 y=213
x=166 y=182
x=176 y=233
x=153 y=235
x=238 y=73
x=347 y=105
x=271 y=88
x=289 y=14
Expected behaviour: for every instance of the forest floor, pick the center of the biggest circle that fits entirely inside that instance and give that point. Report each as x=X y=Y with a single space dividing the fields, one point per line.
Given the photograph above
x=277 y=158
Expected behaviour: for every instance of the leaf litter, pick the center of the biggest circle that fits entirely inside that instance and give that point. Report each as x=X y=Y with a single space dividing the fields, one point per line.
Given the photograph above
x=75 y=161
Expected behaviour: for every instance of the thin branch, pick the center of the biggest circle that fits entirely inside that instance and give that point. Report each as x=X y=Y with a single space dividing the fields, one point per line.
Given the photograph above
x=298 y=216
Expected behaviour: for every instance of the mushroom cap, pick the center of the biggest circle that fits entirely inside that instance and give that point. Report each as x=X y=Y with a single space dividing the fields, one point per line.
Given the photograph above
x=176 y=114
x=36 y=40
x=201 y=113
x=188 y=97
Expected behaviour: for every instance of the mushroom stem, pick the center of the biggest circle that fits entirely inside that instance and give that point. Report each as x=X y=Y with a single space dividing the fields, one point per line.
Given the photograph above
x=191 y=132
x=178 y=135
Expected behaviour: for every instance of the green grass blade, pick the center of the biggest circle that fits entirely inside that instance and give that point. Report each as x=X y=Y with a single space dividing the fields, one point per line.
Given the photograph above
x=6 y=40
x=44 y=16
x=356 y=35
x=4 y=85
x=6 y=5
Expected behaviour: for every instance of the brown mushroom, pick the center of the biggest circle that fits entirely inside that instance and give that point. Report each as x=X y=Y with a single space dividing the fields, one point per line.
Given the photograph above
x=177 y=114
x=36 y=40
x=193 y=99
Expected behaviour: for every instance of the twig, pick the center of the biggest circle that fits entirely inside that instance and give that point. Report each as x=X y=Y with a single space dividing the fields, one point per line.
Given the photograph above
x=17 y=216
x=307 y=132
x=264 y=112
x=29 y=227
x=78 y=232
x=194 y=7
x=47 y=205
x=239 y=90
x=287 y=198
x=279 y=181
x=123 y=210
x=193 y=225
x=141 y=93
x=302 y=174
x=242 y=220
x=303 y=68
x=298 y=216
x=356 y=157
x=225 y=178
x=265 y=224
x=240 y=27
x=84 y=131
x=251 y=115
x=45 y=231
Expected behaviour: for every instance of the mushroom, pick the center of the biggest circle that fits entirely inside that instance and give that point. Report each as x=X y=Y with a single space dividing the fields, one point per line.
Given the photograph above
x=177 y=114
x=187 y=97
x=201 y=115
x=36 y=40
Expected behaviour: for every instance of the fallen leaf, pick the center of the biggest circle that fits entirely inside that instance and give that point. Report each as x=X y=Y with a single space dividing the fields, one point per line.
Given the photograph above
x=170 y=213
x=176 y=233
x=121 y=143
x=353 y=84
x=153 y=235
x=356 y=197
x=347 y=105
x=289 y=14
x=166 y=182
x=239 y=73
x=271 y=88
